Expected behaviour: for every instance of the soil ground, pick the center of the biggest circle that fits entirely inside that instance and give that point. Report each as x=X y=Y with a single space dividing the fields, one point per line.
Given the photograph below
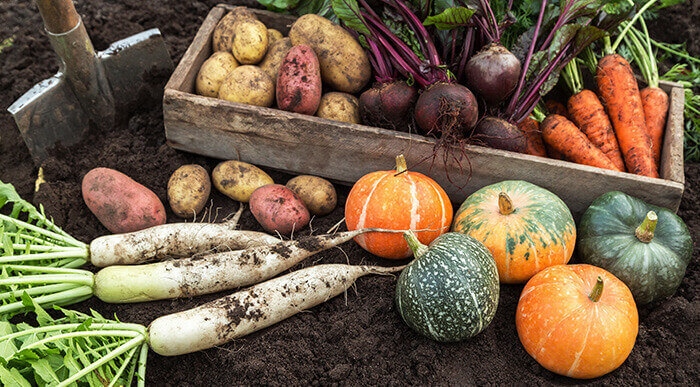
x=357 y=339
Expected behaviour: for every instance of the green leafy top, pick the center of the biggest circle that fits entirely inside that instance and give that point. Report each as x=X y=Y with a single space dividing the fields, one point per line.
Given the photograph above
x=89 y=349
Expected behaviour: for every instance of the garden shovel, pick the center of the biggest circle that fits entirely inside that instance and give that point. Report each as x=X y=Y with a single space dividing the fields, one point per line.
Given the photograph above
x=89 y=86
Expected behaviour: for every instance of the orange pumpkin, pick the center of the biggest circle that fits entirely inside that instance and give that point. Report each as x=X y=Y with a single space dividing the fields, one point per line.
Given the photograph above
x=526 y=227
x=397 y=200
x=577 y=320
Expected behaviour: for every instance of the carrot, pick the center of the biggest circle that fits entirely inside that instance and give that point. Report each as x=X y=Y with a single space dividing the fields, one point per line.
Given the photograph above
x=556 y=107
x=255 y=308
x=655 y=104
x=563 y=136
x=589 y=115
x=619 y=92
x=533 y=137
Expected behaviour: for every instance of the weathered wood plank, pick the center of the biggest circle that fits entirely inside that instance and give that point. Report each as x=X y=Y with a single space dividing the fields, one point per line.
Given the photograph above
x=345 y=152
x=672 y=150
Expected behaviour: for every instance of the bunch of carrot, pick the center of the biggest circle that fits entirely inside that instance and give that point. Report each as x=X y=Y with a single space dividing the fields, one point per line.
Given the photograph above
x=621 y=128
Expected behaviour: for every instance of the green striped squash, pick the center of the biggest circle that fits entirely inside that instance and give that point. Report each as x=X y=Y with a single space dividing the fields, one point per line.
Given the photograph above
x=450 y=290
x=647 y=247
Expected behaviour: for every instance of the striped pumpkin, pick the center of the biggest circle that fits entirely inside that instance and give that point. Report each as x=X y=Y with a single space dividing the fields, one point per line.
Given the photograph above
x=397 y=200
x=527 y=228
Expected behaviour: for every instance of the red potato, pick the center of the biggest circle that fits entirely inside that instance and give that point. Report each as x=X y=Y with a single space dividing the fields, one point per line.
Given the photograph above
x=278 y=209
x=299 y=81
x=120 y=203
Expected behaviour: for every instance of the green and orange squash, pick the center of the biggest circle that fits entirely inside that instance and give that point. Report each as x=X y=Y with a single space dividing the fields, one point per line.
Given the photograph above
x=397 y=200
x=527 y=228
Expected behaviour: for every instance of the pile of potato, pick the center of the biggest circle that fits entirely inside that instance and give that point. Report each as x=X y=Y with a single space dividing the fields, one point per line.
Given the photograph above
x=277 y=208
x=258 y=66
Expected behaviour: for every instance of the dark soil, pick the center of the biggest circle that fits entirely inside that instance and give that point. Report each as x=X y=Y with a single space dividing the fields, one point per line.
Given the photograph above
x=358 y=339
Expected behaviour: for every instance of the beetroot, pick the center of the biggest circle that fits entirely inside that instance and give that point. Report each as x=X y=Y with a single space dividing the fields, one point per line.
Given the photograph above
x=388 y=105
x=444 y=108
x=500 y=134
x=493 y=73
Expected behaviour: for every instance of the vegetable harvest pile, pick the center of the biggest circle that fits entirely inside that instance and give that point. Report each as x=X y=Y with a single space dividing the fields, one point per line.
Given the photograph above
x=464 y=72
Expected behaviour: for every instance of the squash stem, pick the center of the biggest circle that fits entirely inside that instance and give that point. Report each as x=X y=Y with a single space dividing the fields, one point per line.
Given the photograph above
x=505 y=205
x=401 y=166
x=597 y=290
x=418 y=248
x=645 y=231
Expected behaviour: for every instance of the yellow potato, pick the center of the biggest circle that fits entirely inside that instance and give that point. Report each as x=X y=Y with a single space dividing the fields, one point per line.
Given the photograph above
x=273 y=35
x=318 y=194
x=223 y=32
x=340 y=107
x=238 y=180
x=344 y=64
x=249 y=85
x=274 y=58
x=249 y=44
x=213 y=72
x=188 y=190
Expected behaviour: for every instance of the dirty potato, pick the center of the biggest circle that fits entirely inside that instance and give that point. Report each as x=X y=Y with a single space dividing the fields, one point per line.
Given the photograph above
x=213 y=72
x=299 y=81
x=273 y=35
x=238 y=180
x=188 y=190
x=278 y=209
x=274 y=58
x=120 y=203
x=318 y=194
x=344 y=64
x=249 y=44
x=222 y=36
x=340 y=107
x=249 y=85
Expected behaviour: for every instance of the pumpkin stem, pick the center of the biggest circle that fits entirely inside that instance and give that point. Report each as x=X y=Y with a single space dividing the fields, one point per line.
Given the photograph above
x=418 y=248
x=401 y=164
x=597 y=290
x=645 y=231
x=505 y=205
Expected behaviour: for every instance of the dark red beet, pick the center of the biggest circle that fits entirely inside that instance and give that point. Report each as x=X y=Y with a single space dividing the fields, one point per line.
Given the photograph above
x=397 y=99
x=493 y=73
x=370 y=110
x=388 y=105
x=500 y=134
x=446 y=107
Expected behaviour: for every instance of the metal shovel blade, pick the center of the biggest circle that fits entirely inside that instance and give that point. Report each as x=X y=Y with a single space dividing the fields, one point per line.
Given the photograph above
x=50 y=111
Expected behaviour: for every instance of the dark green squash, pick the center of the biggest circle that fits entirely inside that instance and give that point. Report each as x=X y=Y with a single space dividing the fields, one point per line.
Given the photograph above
x=450 y=290
x=647 y=247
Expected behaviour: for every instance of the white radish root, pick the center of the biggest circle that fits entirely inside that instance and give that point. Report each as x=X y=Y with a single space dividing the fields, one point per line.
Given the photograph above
x=255 y=308
x=173 y=240
x=194 y=276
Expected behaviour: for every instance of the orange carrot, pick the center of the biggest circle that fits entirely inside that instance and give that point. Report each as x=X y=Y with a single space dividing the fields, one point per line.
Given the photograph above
x=655 y=104
x=589 y=115
x=620 y=94
x=556 y=107
x=553 y=153
x=562 y=135
x=533 y=137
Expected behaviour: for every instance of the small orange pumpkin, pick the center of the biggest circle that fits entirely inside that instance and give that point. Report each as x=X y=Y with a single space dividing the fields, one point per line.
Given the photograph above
x=397 y=200
x=577 y=320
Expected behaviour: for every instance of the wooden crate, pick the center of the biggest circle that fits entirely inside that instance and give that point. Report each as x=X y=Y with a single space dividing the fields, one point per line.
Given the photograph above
x=344 y=152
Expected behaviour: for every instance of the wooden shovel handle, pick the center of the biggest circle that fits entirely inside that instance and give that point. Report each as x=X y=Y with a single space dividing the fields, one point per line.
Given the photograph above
x=59 y=15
